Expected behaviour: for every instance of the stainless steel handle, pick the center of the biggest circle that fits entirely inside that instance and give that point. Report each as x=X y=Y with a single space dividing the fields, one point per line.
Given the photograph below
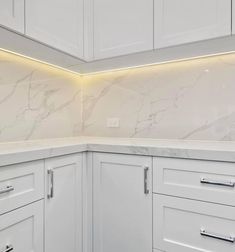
x=146 y=190
x=50 y=184
x=216 y=236
x=216 y=182
x=8 y=248
x=7 y=189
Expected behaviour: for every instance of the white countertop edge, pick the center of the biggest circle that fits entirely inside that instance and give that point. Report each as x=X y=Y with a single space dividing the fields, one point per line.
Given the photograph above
x=17 y=152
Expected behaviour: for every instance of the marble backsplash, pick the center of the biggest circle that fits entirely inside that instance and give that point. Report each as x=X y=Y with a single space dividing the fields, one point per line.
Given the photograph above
x=37 y=101
x=185 y=100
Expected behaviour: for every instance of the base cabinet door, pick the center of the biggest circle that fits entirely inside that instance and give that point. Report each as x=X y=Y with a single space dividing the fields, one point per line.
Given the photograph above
x=185 y=21
x=63 y=206
x=57 y=23
x=12 y=14
x=22 y=230
x=122 y=203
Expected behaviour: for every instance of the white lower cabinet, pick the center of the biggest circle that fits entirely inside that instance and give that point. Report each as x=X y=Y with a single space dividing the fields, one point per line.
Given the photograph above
x=63 y=206
x=22 y=230
x=209 y=181
x=182 y=225
x=122 y=203
x=21 y=184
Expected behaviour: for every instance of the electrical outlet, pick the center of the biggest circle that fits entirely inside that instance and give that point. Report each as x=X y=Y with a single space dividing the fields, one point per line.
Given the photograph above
x=113 y=122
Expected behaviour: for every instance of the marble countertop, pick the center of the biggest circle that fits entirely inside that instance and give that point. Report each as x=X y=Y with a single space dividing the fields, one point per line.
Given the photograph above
x=16 y=152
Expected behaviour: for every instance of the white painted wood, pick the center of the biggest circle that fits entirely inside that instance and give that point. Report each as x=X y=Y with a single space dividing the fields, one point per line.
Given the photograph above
x=87 y=202
x=177 y=225
x=63 y=212
x=122 y=216
x=23 y=229
x=184 y=21
x=122 y=27
x=12 y=14
x=57 y=23
x=17 y=43
x=182 y=177
x=160 y=56
x=233 y=16
x=27 y=181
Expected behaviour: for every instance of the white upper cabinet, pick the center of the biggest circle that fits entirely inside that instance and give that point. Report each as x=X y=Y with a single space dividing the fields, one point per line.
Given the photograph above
x=233 y=17
x=122 y=27
x=12 y=14
x=57 y=23
x=183 y=21
x=122 y=203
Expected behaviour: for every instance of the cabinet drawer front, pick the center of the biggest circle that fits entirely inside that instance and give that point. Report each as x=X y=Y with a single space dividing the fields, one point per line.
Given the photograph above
x=22 y=229
x=21 y=184
x=178 y=224
x=195 y=179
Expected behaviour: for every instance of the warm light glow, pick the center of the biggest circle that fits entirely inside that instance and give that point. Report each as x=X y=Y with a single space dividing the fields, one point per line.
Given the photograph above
x=40 y=61
x=115 y=69
x=158 y=63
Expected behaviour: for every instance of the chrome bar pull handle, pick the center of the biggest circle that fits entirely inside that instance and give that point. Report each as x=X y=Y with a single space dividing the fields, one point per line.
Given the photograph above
x=216 y=236
x=146 y=170
x=216 y=182
x=8 y=248
x=50 y=184
x=7 y=189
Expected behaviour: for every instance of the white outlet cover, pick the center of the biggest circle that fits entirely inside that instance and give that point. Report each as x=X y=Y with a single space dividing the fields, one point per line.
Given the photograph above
x=113 y=122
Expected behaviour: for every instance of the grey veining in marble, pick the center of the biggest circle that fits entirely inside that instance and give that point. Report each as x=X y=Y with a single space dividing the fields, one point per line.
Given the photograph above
x=184 y=100
x=37 y=101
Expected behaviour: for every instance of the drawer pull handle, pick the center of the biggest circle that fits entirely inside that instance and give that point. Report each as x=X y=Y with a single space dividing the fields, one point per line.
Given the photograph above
x=146 y=190
x=219 y=237
x=7 y=189
x=51 y=184
x=8 y=248
x=220 y=183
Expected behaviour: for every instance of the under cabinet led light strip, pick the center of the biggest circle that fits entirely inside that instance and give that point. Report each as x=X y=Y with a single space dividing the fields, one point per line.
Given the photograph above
x=41 y=62
x=116 y=69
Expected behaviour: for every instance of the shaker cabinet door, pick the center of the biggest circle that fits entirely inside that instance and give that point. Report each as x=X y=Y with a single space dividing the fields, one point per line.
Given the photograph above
x=21 y=230
x=57 y=23
x=122 y=27
x=63 y=206
x=122 y=203
x=184 y=21
x=12 y=14
x=233 y=16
